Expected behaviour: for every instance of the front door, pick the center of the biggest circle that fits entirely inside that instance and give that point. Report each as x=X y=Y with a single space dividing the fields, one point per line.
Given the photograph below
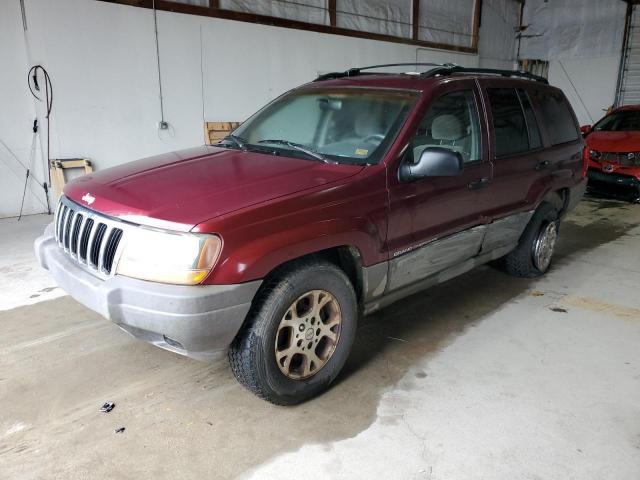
x=437 y=222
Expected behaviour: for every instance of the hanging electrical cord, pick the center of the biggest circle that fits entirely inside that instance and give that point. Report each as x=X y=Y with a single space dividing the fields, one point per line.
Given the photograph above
x=32 y=79
x=162 y=125
x=34 y=86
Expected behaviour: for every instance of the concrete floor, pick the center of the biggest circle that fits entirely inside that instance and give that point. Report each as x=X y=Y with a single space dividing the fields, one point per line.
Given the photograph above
x=22 y=281
x=484 y=377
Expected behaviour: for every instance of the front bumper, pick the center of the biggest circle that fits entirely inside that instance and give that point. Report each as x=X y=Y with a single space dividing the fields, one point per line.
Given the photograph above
x=614 y=184
x=198 y=321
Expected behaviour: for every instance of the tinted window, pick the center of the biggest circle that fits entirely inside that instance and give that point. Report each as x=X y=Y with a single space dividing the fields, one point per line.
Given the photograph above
x=556 y=116
x=451 y=122
x=509 y=125
x=532 y=124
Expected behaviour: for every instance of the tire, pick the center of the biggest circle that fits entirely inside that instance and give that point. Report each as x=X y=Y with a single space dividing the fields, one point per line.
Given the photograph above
x=523 y=261
x=281 y=320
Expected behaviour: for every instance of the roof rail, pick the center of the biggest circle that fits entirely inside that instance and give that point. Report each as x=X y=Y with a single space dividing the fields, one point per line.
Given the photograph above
x=439 y=69
x=451 y=68
x=354 y=72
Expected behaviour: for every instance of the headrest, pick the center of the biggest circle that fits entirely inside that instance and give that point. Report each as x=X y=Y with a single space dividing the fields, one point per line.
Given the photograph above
x=447 y=127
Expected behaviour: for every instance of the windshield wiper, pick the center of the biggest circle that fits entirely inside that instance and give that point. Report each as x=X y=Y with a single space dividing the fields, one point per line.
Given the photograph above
x=299 y=147
x=237 y=140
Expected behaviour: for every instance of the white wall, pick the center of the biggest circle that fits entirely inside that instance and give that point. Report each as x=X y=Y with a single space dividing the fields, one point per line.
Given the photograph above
x=582 y=40
x=101 y=58
x=270 y=61
x=497 y=45
x=589 y=84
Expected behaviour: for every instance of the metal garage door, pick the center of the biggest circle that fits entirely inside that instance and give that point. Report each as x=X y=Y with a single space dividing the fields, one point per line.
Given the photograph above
x=629 y=83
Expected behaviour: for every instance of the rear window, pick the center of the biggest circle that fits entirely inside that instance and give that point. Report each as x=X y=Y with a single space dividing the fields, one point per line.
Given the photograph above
x=557 y=116
x=509 y=124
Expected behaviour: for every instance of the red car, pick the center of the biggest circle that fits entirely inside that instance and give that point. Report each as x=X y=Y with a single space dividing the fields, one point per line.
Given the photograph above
x=338 y=198
x=614 y=154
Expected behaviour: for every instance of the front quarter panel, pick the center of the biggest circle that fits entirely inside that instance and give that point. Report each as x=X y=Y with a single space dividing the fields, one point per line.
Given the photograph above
x=260 y=238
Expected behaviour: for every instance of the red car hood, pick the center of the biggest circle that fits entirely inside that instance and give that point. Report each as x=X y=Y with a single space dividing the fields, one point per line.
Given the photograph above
x=618 y=142
x=180 y=189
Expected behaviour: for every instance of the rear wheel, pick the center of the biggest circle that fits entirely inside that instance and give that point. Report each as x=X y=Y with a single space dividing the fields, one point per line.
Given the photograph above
x=544 y=245
x=298 y=334
x=532 y=257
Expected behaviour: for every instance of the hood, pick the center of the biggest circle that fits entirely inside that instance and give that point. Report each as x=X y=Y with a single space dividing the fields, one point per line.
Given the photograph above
x=180 y=189
x=616 y=142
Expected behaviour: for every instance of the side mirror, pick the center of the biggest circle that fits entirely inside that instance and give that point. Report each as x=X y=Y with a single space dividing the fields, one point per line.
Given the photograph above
x=586 y=130
x=433 y=162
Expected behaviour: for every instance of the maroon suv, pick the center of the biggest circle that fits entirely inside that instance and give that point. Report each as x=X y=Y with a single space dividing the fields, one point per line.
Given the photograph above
x=336 y=199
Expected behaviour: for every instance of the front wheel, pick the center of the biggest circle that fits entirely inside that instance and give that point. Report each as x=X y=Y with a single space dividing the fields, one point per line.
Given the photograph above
x=532 y=257
x=298 y=334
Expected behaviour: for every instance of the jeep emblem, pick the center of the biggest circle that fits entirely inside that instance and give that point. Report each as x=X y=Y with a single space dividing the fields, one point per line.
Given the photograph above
x=88 y=198
x=607 y=168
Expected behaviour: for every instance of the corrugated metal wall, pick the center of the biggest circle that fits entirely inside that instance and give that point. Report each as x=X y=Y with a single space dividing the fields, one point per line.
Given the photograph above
x=629 y=85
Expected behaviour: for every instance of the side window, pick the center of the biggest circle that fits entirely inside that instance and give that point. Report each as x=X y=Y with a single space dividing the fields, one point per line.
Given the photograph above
x=557 y=117
x=532 y=124
x=451 y=122
x=509 y=124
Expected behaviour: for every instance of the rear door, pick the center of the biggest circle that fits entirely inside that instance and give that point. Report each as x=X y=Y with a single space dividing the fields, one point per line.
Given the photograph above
x=535 y=148
x=517 y=153
x=561 y=135
x=437 y=222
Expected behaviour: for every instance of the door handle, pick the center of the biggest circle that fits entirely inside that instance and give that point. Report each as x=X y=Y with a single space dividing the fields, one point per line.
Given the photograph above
x=542 y=165
x=479 y=183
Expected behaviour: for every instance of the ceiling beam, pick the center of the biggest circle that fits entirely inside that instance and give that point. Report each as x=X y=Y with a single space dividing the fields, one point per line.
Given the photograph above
x=208 y=11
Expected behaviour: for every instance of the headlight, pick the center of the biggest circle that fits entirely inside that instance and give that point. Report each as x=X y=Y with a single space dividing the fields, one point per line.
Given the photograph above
x=594 y=154
x=168 y=257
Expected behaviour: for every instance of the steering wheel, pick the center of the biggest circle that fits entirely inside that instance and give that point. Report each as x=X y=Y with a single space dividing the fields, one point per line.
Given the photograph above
x=375 y=136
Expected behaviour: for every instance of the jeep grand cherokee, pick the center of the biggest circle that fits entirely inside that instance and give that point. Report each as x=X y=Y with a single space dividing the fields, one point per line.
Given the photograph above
x=335 y=200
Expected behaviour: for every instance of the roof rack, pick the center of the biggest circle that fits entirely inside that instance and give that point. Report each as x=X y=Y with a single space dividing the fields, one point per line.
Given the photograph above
x=354 y=72
x=439 y=69
x=451 y=68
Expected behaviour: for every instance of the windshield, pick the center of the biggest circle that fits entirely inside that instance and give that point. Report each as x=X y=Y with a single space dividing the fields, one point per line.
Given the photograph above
x=348 y=125
x=623 y=121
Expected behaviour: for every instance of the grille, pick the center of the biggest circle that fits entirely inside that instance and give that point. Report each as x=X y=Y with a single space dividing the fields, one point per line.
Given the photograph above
x=89 y=238
x=621 y=158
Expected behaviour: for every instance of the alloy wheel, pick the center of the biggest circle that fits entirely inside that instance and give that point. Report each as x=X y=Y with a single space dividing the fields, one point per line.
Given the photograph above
x=544 y=246
x=308 y=334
